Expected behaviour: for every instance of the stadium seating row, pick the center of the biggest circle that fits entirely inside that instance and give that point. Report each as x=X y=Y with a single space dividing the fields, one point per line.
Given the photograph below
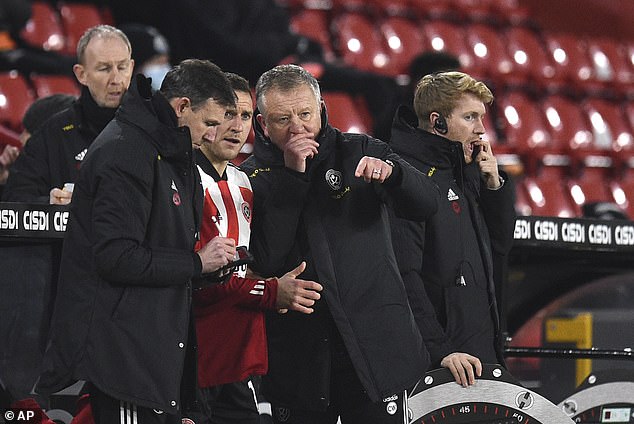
x=507 y=56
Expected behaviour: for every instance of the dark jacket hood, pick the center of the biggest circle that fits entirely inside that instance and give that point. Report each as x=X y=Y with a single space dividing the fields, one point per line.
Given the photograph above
x=152 y=114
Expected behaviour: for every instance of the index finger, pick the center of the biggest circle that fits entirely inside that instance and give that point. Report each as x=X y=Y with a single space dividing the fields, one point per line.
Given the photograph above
x=310 y=285
x=363 y=163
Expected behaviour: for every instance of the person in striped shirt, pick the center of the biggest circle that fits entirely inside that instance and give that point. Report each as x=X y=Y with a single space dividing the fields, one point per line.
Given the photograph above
x=230 y=316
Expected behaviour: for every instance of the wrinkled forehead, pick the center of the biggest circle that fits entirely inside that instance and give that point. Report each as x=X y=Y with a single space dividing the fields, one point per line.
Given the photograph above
x=296 y=96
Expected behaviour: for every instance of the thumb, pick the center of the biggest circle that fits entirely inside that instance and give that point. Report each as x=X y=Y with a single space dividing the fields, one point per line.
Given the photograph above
x=298 y=270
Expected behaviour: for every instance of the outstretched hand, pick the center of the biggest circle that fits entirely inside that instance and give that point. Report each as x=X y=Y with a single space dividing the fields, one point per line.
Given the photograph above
x=295 y=294
x=373 y=169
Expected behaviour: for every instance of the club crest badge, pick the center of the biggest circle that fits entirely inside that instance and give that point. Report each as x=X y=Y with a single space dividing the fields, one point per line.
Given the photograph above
x=246 y=211
x=334 y=179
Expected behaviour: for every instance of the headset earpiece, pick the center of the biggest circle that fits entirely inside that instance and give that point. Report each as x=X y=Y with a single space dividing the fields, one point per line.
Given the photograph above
x=440 y=125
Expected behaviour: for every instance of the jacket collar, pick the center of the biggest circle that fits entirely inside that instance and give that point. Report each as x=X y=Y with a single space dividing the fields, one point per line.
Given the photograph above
x=94 y=118
x=409 y=140
x=153 y=114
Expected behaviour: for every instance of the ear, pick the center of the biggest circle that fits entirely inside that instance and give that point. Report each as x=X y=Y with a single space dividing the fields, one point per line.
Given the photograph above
x=432 y=120
x=180 y=105
x=80 y=73
x=262 y=123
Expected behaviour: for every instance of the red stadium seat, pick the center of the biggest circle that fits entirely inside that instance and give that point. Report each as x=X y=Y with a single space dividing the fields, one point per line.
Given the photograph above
x=476 y=10
x=45 y=85
x=623 y=188
x=629 y=114
x=548 y=194
x=511 y=12
x=569 y=127
x=15 y=97
x=313 y=23
x=404 y=42
x=523 y=206
x=393 y=7
x=435 y=9
x=609 y=125
x=570 y=58
x=488 y=50
x=591 y=184
x=76 y=19
x=529 y=55
x=360 y=43
x=343 y=113
x=524 y=127
x=44 y=30
x=446 y=37
x=610 y=62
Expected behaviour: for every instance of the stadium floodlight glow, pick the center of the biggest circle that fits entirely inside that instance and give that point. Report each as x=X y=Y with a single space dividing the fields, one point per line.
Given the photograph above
x=438 y=43
x=380 y=60
x=577 y=194
x=520 y=57
x=394 y=42
x=559 y=55
x=480 y=50
x=512 y=116
x=354 y=45
x=553 y=117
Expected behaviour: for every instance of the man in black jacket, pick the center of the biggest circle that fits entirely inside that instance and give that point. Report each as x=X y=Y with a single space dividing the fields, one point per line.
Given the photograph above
x=52 y=156
x=122 y=316
x=321 y=195
x=447 y=261
x=49 y=160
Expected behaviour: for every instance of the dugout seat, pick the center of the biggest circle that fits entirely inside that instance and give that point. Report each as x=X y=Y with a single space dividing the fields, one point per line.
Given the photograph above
x=76 y=18
x=44 y=30
x=359 y=43
x=45 y=85
x=15 y=98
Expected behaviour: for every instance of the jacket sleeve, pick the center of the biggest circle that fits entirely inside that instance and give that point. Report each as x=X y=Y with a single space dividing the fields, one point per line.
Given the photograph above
x=410 y=193
x=498 y=208
x=29 y=177
x=245 y=292
x=279 y=198
x=408 y=240
x=122 y=206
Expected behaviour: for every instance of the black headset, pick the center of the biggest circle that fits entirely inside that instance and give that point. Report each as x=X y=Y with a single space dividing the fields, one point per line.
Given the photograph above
x=440 y=125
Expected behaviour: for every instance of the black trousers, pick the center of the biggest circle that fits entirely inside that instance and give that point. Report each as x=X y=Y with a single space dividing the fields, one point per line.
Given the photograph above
x=108 y=410
x=348 y=401
x=233 y=403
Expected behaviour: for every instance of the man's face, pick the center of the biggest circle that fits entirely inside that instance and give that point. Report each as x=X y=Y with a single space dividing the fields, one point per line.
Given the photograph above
x=232 y=132
x=288 y=113
x=203 y=122
x=106 y=70
x=465 y=123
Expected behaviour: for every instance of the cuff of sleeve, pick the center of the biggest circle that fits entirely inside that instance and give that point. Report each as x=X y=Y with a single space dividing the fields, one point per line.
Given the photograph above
x=270 y=293
x=198 y=265
x=396 y=175
x=500 y=186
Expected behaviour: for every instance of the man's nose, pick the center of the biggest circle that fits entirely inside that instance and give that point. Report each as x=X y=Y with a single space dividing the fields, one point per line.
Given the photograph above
x=236 y=125
x=297 y=125
x=479 y=128
x=117 y=76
